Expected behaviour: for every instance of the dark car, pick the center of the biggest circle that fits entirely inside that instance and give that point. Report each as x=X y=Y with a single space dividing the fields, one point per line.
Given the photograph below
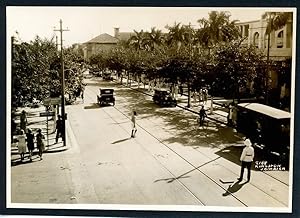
x=106 y=97
x=107 y=76
x=163 y=98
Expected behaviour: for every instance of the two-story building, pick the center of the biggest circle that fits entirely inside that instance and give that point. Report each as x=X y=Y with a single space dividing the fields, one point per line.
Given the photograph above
x=104 y=42
x=280 y=54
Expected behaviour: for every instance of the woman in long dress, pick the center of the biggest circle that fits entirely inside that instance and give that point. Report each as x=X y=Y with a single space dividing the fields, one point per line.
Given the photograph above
x=22 y=144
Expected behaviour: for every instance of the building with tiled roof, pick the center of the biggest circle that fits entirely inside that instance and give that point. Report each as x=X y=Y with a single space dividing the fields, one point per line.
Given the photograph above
x=104 y=42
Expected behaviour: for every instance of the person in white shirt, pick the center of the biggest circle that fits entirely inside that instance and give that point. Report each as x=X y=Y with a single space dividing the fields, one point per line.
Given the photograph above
x=133 y=123
x=247 y=157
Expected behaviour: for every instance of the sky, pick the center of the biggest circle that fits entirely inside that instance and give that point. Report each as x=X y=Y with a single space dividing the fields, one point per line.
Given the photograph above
x=85 y=23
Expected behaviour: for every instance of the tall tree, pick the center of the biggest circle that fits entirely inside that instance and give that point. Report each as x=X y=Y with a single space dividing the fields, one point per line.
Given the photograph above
x=138 y=40
x=179 y=35
x=217 y=28
x=154 y=38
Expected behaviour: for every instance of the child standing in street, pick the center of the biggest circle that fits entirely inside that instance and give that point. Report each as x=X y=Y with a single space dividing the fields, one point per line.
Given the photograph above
x=133 y=123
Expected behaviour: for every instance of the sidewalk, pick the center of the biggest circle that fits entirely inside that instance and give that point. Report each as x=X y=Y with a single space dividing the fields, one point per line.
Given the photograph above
x=35 y=122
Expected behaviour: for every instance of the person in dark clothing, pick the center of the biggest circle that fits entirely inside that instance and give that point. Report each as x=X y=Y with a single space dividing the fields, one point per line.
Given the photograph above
x=180 y=90
x=202 y=114
x=23 y=120
x=59 y=128
x=40 y=143
x=30 y=143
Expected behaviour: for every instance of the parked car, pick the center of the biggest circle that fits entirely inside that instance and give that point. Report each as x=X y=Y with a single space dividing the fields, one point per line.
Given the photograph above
x=163 y=97
x=105 y=97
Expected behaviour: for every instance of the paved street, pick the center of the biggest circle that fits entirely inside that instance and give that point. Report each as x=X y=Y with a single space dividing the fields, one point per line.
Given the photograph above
x=172 y=161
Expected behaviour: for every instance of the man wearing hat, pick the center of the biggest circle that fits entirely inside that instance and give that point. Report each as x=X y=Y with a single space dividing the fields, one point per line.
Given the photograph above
x=247 y=159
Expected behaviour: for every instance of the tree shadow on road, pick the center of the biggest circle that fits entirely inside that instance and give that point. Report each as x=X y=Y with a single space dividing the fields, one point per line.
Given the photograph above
x=233 y=188
x=180 y=125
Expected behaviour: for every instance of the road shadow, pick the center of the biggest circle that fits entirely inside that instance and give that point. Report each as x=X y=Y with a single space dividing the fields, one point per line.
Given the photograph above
x=181 y=126
x=231 y=153
x=17 y=161
x=121 y=140
x=92 y=106
x=233 y=188
x=183 y=176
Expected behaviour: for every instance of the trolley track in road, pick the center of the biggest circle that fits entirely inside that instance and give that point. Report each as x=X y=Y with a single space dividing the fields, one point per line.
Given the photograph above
x=92 y=96
x=213 y=121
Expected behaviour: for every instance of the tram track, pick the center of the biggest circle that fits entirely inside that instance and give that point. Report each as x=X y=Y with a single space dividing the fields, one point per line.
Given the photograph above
x=92 y=96
x=214 y=121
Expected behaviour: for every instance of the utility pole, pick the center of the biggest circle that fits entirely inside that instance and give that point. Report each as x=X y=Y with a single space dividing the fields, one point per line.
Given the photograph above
x=61 y=30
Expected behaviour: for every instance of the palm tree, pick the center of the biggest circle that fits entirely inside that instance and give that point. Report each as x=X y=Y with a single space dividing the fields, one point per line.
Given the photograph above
x=179 y=34
x=138 y=40
x=217 y=28
x=275 y=21
x=154 y=38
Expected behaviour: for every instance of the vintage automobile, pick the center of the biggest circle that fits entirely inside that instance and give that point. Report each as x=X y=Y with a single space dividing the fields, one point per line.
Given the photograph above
x=105 y=97
x=163 y=97
x=267 y=127
x=106 y=75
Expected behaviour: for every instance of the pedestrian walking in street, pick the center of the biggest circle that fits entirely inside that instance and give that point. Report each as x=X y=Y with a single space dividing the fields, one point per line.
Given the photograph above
x=30 y=143
x=40 y=143
x=23 y=120
x=202 y=114
x=22 y=144
x=59 y=128
x=133 y=123
x=247 y=157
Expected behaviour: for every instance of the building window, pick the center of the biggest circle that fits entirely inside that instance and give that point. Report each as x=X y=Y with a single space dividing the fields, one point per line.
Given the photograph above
x=256 y=39
x=279 y=40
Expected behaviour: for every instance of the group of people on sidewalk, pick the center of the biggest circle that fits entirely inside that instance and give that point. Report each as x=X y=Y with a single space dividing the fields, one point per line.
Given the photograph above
x=201 y=96
x=27 y=141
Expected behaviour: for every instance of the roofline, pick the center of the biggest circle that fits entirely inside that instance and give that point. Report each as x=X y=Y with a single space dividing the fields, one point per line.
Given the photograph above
x=247 y=22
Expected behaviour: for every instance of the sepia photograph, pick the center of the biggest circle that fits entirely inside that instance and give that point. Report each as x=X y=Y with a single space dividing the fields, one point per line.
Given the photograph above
x=150 y=108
